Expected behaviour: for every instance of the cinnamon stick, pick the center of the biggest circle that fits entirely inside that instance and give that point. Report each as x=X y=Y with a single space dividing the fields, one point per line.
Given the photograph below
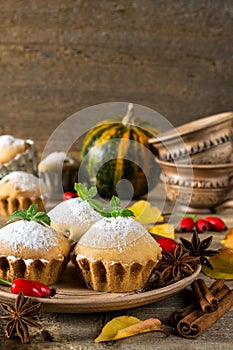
x=204 y=297
x=196 y=323
x=177 y=315
x=192 y=321
x=197 y=312
x=222 y=292
x=216 y=286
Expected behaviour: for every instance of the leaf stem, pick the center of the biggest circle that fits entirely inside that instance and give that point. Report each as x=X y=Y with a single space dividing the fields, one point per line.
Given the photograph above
x=5 y=283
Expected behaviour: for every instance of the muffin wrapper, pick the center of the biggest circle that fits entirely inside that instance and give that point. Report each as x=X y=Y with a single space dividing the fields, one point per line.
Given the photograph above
x=47 y=272
x=10 y=205
x=25 y=161
x=113 y=277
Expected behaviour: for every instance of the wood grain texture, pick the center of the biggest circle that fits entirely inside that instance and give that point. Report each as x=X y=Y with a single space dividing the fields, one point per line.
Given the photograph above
x=78 y=331
x=58 y=57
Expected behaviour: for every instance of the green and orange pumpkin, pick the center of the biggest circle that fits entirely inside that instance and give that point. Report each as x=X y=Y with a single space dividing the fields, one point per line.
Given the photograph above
x=118 y=149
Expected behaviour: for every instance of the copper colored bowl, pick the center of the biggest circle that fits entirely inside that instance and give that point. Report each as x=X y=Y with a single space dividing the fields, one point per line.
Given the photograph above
x=207 y=140
x=198 y=187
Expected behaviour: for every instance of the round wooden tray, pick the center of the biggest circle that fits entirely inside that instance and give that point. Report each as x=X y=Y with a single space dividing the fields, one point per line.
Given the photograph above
x=73 y=297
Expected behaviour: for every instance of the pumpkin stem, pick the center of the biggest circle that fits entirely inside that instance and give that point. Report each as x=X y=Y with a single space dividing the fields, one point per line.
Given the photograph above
x=129 y=117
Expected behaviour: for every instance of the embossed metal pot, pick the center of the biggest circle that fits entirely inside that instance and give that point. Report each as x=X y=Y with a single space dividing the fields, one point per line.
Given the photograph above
x=198 y=187
x=207 y=140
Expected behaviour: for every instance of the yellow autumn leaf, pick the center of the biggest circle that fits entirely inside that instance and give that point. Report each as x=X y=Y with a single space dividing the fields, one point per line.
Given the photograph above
x=222 y=264
x=228 y=239
x=127 y=326
x=164 y=230
x=145 y=213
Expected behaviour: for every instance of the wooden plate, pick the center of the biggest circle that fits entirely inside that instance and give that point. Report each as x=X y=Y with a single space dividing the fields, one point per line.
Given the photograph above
x=72 y=297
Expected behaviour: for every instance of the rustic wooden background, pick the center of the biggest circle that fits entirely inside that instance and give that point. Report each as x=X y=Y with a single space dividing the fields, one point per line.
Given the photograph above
x=57 y=57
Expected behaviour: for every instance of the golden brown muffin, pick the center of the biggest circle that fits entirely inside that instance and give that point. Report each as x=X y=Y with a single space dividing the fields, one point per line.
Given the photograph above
x=18 y=190
x=73 y=218
x=33 y=251
x=116 y=255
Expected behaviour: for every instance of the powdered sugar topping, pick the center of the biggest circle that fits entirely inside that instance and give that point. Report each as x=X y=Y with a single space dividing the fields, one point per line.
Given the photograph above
x=8 y=140
x=28 y=234
x=113 y=232
x=22 y=181
x=74 y=211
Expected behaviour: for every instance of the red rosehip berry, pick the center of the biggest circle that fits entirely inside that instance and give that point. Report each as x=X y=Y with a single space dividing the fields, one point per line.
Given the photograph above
x=202 y=225
x=166 y=244
x=216 y=224
x=31 y=288
x=69 y=195
x=187 y=224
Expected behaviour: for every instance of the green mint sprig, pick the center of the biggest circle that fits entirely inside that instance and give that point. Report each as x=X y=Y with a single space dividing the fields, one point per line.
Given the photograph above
x=88 y=195
x=115 y=209
x=31 y=214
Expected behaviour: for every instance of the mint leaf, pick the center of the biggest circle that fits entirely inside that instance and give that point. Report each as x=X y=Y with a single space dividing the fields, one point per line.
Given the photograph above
x=82 y=190
x=106 y=213
x=41 y=218
x=32 y=210
x=115 y=203
x=88 y=194
x=31 y=214
x=18 y=214
x=94 y=203
x=92 y=192
x=126 y=212
x=115 y=209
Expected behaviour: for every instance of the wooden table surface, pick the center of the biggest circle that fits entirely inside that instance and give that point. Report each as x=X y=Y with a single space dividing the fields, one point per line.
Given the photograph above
x=78 y=331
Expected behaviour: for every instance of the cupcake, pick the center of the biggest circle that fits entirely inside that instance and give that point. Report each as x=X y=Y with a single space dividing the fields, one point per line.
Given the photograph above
x=31 y=250
x=16 y=154
x=73 y=217
x=59 y=171
x=18 y=190
x=116 y=255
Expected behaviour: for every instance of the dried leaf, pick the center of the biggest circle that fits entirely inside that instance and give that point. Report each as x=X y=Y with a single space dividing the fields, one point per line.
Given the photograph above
x=164 y=230
x=145 y=213
x=127 y=326
x=228 y=239
x=222 y=264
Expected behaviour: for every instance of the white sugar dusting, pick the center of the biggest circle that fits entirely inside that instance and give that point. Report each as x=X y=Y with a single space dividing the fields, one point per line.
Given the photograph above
x=28 y=234
x=74 y=211
x=8 y=140
x=113 y=232
x=28 y=262
x=21 y=180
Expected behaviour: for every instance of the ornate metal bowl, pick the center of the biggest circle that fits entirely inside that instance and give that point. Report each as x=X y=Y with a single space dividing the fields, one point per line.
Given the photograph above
x=207 y=140
x=197 y=187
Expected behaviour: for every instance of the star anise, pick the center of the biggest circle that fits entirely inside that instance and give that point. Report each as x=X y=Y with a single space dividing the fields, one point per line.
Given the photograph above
x=20 y=317
x=199 y=249
x=174 y=266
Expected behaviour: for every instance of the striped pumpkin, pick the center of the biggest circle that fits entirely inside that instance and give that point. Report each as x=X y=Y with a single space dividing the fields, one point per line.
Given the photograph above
x=118 y=149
